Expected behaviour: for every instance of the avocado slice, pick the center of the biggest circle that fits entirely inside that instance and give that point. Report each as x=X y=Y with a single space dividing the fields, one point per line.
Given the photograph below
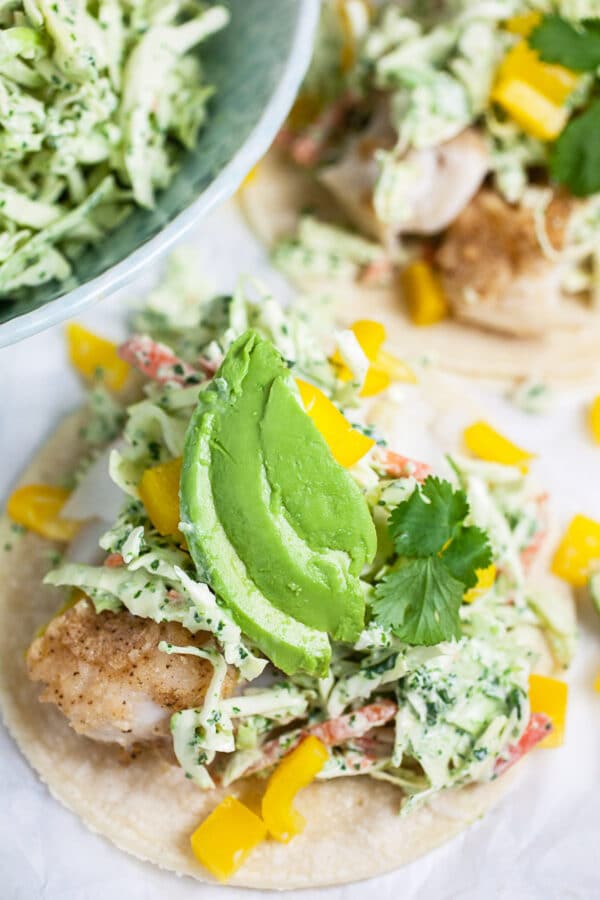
x=280 y=529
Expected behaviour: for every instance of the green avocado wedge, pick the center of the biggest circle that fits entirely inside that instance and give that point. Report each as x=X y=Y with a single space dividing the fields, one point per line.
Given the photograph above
x=280 y=530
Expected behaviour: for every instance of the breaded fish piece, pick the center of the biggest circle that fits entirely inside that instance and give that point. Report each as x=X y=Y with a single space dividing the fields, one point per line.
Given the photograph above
x=107 y=676
x=445 y=178
x=495 y=273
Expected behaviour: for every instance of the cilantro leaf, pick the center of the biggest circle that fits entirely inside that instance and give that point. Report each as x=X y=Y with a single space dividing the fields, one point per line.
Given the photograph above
x=420 y=598
x=576 y=47
x=470 y=550
x=419 y=602
x=575 y=158
x=423 y=524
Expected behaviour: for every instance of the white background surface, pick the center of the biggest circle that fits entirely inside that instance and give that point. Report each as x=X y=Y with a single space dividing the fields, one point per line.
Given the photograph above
x=543 y=842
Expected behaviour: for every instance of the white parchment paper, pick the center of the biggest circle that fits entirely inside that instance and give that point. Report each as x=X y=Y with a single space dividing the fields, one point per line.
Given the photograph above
x=541 y=843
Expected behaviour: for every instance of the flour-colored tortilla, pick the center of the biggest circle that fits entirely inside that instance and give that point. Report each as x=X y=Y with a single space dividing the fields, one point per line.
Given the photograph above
x=272 y=201
x=147 y=807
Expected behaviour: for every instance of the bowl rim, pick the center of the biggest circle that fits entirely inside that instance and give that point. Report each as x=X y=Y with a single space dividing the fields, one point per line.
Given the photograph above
x=224 y=185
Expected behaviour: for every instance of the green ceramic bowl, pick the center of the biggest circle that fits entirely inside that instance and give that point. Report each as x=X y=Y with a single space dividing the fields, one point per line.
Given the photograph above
x=257 y=64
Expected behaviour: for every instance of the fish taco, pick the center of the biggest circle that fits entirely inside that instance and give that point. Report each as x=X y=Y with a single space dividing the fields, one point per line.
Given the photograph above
x=279 y=574
x=438 y=167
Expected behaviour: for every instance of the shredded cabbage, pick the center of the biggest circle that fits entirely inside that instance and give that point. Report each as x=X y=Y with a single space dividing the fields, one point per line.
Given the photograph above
x=428 y=69
x=461 y=704
x=95 y=100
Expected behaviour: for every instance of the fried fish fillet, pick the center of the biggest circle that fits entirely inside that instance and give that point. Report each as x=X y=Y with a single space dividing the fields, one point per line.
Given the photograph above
x=494 y=270
x=107 y=676
x=444 y=179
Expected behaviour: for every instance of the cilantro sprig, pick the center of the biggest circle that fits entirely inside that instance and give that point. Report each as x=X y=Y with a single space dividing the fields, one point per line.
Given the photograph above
x=419 y=600
x=575 y=157
x=575 y=47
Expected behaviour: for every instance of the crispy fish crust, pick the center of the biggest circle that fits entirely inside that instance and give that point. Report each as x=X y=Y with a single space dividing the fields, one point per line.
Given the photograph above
x=149 y=809
x=493 y=268
x=107 y=676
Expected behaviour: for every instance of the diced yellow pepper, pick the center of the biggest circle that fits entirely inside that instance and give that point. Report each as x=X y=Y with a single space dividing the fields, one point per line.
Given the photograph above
x=578 y=551
x=376 y=381
x=159 y=492
x=95 y=357
x=536 y=114
x=523 y=24
x=597 y=684
x=522 y=63
x=370 y=335
x=396 y=368
x=424 y=294
x=486 y=443
x=384 y=367
x=549 y=696
x=347 y=445
x=250 y=176
x=38 y=506
x=485 y=580
x=226 y=838
x=595 y=419
x=531 y=91
x=385 y=370
x=295 y=771
x=348 y=11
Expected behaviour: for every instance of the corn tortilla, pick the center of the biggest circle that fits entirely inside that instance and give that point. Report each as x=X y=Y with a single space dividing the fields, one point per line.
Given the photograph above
x=272 y=202
x=147 y=807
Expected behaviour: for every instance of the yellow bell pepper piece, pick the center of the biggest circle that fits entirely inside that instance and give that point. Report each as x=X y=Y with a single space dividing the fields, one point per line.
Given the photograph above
x=38 y=506
x=533 y=92
x=549 y=696
x=347 y=445
x=486 y=443
x=348 y=12
x=226 y=838
x=424 y=294
x=384 y=367
x=95 y=357
x=485 y=580
x=578 y=551
x=250 y=177
x=159 y=492
x=536 y=114
x=376 y=381
x=295 y=771
x=396 y=368
x=597 y=684
x=385 y=370
x=523 y=24
x=370 y=335
x=523 y=63
x=595 y=419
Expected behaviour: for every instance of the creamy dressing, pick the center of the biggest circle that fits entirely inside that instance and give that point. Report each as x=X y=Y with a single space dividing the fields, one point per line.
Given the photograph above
x=433 y=70
x=461 y=703
x=97 y=102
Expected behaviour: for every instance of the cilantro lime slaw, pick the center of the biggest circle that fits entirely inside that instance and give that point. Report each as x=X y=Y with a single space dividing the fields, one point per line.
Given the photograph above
x=433 y=693
x=402 y=123
x=96 y=104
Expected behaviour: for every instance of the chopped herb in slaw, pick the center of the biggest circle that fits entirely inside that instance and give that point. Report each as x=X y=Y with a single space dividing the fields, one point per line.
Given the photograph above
x=424 y=712
x=454 y=133
x=97 y=101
